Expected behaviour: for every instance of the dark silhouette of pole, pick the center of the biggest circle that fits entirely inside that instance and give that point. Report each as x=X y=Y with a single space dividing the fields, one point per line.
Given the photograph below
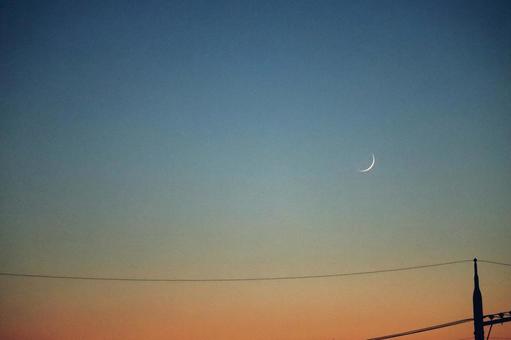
x=478 y=319
x=477 y=301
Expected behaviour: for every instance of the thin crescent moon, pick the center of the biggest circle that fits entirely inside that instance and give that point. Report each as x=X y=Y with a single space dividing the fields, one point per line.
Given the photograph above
x=370 y=166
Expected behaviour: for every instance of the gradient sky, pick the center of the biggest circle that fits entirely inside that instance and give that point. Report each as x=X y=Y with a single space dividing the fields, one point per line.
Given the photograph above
x=219 y=139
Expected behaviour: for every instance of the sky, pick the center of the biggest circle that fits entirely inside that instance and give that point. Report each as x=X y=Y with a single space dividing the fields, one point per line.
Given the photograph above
x=194 y=139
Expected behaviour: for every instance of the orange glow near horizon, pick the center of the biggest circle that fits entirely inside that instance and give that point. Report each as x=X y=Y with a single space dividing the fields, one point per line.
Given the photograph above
x=354 y=308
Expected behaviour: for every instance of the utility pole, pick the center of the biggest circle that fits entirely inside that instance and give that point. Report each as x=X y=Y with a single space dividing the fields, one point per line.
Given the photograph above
x=477 y=300
x=478 y=319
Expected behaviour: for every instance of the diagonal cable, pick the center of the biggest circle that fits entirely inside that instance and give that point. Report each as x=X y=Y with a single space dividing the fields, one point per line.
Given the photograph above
x=420 y=330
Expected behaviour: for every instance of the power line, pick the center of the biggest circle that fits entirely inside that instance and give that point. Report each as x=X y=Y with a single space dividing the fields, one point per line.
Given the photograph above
x=238 y=279
x=420 y=330
x=497 y=263
x=270 y=278
x=447 y=324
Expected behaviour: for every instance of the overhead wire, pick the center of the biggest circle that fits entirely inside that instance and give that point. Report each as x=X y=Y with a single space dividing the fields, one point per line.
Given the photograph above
x=430 y=328
x=229 y=279
x=239 y=279
x=420 y=330
x=497 y=263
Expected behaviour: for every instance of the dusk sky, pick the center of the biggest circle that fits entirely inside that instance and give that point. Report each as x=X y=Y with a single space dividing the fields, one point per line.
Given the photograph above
x=199 y=139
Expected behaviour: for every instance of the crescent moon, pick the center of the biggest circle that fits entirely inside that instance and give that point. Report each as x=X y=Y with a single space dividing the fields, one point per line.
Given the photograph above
x=370 y=166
